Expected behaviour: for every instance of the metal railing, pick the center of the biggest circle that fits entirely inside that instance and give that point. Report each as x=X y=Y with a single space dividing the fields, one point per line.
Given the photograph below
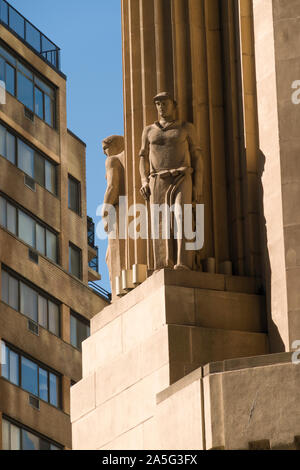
x=91 y=232
x=100 y=291
x=19 y=25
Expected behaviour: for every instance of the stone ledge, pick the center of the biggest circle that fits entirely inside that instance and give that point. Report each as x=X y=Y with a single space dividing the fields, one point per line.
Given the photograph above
x=246 y=363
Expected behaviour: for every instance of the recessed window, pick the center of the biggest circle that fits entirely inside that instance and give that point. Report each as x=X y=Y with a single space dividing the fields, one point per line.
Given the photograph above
x=28 y=160
x=28 y=229
x=30 y=302
x=79 y=330
x=29 y=375
x=74 y=195
x=75 y=260
x=33 y=92
x=15 y=437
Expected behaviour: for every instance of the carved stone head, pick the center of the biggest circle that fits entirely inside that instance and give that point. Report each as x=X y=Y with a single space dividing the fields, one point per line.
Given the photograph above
x=113 y=145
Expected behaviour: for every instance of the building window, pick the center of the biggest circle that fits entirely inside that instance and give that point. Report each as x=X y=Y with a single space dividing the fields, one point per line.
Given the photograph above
x=28 y=160
x=30 y=376
x=74 y=195
x=75 y=260
x=30 y=302
x=79 y=330
x=33 y=92
x=16 y=437
x=27 y=229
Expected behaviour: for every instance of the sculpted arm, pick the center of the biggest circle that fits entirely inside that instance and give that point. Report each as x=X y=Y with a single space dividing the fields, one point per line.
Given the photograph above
x=197 y=163
x=145 y=165
x=113 y=182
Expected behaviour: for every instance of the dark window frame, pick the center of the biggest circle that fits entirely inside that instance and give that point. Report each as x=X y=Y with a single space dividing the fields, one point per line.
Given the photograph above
x=38 y=291
x=36 y=221
x=36 y=151
x=23 y=427
x=35 y=74
x=78 y=184
x=40 y=365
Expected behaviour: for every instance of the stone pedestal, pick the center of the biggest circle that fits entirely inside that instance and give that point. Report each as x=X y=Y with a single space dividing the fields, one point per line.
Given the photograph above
x=172 y=324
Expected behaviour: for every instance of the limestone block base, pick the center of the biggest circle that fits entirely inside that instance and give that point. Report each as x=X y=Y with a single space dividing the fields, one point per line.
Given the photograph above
x=168 y=326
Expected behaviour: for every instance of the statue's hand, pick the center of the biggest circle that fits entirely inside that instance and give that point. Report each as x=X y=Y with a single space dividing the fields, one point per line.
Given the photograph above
x=145 y=191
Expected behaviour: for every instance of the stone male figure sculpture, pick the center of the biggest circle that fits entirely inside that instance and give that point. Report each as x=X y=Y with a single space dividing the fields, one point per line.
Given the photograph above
x=113 y=148
x=171 y=169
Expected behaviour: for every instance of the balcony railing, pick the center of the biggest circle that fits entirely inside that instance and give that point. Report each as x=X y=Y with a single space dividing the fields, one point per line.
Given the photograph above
x=19 y=25
x=100 y=291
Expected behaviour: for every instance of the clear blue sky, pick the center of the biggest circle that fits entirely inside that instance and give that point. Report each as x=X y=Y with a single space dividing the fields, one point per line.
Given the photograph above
x=89 y=35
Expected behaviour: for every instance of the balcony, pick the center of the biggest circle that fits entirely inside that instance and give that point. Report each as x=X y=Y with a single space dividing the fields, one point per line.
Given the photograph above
x=28 y=33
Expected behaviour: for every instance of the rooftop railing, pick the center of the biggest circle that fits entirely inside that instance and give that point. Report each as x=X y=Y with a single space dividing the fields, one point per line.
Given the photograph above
x=19 y=25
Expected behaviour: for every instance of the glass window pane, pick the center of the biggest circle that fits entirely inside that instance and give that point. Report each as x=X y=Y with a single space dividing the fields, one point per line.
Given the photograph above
x=73 y=331
x=25 y=91
x=53 y=380
x=39 y=169
x=51 y=248
x=48 y=110
x=16 y=22
x=2 y=69
x=25 y=158
x=5 y=435
x=40 y=239
x=43 y=384
x=2 y=141
x=50 y=177
x=14 y=368
x=11 y=148
x=53 y=447
x=42 y=85
x=42 y=305
x=53 y=318
x=30 y=441
x=25 y=71
x=82 y=333
x=10 y=81
x=5 y=286
x=33 y=37
x=11 y=223
x=3 y=220
x=29 y=374
x=74 y=262
x=4 y=360
x=26 y=229
x=74 y=198
x=39 y=103
x=28 y=301
x=4 y=12
x=7 y=56
x=44 y=445
x=15 y=437
x=13 y=299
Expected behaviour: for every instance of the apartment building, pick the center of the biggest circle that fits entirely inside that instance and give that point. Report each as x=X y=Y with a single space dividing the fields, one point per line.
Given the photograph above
x=47 y=255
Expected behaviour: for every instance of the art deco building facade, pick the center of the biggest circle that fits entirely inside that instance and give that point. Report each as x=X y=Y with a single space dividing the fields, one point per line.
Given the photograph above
x=46 y=302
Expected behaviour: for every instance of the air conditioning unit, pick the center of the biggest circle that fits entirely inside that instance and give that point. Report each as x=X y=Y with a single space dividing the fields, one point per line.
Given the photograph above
x=28 y=181
x=33 y=327
x=34 y=402
x=33 y=256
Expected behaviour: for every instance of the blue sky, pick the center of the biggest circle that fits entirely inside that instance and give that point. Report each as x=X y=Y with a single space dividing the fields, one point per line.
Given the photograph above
x=89 y=35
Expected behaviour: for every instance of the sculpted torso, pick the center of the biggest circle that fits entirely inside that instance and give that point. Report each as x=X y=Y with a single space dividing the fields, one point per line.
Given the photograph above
x=168 y=148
